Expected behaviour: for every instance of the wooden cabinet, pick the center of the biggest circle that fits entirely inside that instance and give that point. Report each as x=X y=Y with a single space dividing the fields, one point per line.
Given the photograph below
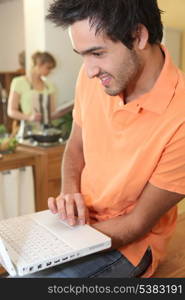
x=49 y=169
x=54 y=171
x=21 y=159
x=6 y=78
x=46 y=163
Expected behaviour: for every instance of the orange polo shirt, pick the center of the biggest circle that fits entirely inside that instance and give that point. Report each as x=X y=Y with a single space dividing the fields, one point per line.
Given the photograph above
x=127 y=145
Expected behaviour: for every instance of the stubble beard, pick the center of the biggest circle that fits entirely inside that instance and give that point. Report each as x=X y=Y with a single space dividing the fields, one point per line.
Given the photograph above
x=126 y=73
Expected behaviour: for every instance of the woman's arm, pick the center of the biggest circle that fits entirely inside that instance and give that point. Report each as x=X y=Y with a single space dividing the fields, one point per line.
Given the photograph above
x=15 y=113
x=13 y=107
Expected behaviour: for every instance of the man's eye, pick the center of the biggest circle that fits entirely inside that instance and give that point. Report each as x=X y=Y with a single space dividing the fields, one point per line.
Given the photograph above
x=97 y=54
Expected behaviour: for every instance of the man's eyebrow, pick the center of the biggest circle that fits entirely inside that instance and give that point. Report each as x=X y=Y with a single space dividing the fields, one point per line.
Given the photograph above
x=88 y=51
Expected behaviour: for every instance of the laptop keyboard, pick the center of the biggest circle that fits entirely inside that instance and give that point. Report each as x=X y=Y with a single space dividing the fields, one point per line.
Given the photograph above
x=29 y=241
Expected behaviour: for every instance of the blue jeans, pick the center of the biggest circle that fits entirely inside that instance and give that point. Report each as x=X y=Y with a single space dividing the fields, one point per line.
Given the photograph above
x=110 y=264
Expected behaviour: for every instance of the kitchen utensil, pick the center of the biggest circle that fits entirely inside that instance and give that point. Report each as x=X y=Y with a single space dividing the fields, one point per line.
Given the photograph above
x=47 y=135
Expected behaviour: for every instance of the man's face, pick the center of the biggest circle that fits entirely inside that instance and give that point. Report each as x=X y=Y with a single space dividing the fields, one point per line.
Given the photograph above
x=114 y=64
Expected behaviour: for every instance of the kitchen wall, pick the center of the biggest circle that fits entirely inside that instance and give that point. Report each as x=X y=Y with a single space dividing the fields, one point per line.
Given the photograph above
x=11 y=34
x=172 y=39
x=173 y=16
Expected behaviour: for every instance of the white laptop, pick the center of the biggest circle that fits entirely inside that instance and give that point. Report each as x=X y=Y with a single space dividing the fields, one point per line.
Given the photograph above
x=37 y=241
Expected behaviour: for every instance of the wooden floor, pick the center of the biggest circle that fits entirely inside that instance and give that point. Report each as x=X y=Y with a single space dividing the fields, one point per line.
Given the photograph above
x=174 y=264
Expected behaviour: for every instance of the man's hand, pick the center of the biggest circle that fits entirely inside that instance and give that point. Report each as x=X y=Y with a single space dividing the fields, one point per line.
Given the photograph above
x=71 y=207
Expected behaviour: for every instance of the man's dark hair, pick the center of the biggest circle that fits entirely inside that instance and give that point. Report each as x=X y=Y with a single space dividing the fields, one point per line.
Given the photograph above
x=119 y=19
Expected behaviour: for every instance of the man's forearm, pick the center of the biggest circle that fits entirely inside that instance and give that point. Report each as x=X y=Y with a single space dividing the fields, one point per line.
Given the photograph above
x=72 y=166
x=122 y=230
x=152 y=204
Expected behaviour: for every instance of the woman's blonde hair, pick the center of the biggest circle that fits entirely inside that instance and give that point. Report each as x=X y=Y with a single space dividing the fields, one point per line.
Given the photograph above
x=42 y=58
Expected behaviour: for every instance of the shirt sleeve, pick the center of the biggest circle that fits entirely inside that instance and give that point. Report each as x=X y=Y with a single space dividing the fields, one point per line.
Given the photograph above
x=170 y=171
x=77 y=110
x=16 y=85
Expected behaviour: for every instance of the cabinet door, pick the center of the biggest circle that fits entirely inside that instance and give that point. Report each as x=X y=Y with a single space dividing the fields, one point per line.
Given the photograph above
x=54 y=167
x=54 y=170
x=54 y=187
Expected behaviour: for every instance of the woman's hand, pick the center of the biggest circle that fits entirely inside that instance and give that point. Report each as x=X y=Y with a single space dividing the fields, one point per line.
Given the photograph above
x=71 y=207
x=35 y=117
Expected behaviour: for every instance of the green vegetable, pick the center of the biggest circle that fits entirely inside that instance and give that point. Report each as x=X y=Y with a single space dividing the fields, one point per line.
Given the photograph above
x=12 y=143
x=2 y=129
x=64 y=124
x=8 y=144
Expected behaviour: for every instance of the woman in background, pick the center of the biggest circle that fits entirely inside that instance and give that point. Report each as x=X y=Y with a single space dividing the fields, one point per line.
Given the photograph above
x=23 y=102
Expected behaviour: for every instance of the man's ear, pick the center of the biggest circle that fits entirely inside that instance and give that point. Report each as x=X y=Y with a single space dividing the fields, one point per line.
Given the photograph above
x=141 y=37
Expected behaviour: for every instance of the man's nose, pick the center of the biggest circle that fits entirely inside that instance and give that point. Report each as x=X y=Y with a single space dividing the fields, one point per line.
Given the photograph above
x=92 y=69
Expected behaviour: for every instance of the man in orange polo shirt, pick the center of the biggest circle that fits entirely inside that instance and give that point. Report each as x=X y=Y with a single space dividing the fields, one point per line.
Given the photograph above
x=124 y=164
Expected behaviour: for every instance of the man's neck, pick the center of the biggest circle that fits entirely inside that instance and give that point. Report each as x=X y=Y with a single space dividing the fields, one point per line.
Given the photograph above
x=153 y=62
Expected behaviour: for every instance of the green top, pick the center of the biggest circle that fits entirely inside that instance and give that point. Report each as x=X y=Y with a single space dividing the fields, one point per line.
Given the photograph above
x=28 y=95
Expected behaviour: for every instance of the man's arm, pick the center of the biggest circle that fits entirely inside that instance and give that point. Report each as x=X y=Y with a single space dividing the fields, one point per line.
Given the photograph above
x=73 y=162
x=152 y=204
x=70 y=202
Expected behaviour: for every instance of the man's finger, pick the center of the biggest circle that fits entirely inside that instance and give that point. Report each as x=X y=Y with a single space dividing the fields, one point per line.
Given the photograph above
x=52 y=205
x=70 y=209
x=60 y=202
x=81 y=210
